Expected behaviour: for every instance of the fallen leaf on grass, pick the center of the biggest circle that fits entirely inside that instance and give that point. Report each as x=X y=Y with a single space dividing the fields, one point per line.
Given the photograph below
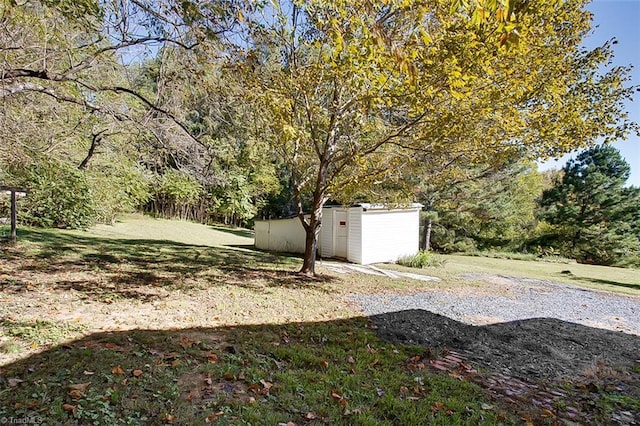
x=70 y=408
x=548 y=413
x=335 y=395
x=436 y=407
x=79 y=386
x=169 y=418
x=212 y=358
x=13 y=382
x=186 y=342
x=137 y=373
x=287 y=424
x=310 y=416
x=76 y=391
x=213 y=417
x=267 y=385
x=192 y=394
x=117 y=370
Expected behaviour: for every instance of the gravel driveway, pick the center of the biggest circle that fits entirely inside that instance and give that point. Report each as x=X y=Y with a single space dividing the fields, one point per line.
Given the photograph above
x=517 y=299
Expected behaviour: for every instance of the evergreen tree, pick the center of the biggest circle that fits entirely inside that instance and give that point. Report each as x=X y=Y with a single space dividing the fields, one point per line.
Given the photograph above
x=595 y=218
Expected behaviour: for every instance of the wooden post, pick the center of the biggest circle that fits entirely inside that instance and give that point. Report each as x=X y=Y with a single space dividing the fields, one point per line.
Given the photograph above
x=14 y=218
x=14 y=209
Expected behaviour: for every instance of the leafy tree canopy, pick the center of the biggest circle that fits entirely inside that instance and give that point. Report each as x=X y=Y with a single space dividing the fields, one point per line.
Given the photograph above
x=353 y=93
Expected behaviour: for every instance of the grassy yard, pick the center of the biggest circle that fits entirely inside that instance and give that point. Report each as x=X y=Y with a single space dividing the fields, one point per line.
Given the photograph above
x=167 y=322
x=617 y=280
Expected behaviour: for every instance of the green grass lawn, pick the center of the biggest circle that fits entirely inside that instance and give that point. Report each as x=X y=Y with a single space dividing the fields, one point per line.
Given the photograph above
x=169 y=322
x=145 y=228
x=621 y=280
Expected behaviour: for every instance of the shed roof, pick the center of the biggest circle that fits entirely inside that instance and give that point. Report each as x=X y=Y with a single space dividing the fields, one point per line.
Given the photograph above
x=377 y=206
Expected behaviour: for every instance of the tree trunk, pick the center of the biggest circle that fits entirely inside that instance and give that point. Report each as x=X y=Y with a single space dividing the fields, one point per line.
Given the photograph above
x=312 y=229
x=427 y=234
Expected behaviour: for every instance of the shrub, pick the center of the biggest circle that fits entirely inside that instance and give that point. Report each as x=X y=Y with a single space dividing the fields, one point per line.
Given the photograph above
x=118 y=189
x=59 y=196
x=422 y=259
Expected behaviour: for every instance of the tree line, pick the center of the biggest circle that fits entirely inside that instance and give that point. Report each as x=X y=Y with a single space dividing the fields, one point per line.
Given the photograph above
x=227 y=111
x=585 y=211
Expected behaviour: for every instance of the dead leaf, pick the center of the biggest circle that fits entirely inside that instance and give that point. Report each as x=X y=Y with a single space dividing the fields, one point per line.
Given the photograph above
x=70 y=408
x=88 y=373
x=228 y=376
x=404 y=390
x=310 y=416
x=350 y=360
x=79 y=386
x=137 y=373
x=169 y=418
x=212 y=358
x=175 y=363
x=117 y=370
x=192 y=394
x=13 y=382
x=267 y=385
x=324 y=363
x=485 y=406
x=436 y=406
x=186 y=342
x=76 y=394
x=371 y=349
x=213 y=417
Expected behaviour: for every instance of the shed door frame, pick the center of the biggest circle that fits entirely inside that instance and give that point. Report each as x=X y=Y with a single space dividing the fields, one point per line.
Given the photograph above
x=341 y=233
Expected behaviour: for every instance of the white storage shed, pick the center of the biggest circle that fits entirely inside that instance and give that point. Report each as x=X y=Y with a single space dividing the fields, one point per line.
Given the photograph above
x=363 y=233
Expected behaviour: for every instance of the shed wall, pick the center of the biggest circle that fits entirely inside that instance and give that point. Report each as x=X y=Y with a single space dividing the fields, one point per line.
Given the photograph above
x=286 y=235
x=354 y=252
x=325 y=239
x=388 y=235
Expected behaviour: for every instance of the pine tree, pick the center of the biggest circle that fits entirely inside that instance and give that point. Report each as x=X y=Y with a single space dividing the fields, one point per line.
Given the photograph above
x=596 y=218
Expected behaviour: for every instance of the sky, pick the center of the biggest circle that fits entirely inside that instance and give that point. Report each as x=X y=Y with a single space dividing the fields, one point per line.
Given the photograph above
x=619 y=19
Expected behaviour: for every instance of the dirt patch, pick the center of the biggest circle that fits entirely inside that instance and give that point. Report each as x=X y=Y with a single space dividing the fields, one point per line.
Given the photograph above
x=533 y=357
x=542 y=348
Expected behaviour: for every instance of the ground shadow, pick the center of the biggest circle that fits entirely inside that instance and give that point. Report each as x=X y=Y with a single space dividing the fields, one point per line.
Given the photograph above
x=609 y=282
x=101 y=267
x=272 y=372
x=240 y=232
x=542 y=348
